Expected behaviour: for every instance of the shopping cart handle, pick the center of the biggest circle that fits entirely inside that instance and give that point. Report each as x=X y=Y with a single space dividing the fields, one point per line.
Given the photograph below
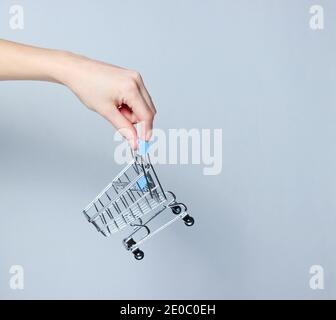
x=142 y=151
x=143 y=147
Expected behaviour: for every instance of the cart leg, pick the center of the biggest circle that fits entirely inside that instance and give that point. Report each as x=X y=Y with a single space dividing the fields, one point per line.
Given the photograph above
x=130 y=244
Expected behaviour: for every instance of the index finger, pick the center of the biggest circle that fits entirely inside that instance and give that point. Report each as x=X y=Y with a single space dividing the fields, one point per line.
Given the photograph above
x=143 y=112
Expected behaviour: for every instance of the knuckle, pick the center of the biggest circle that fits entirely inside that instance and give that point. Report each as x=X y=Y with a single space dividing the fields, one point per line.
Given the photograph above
x=136 y=76
x=131 y=85
x=150 y=115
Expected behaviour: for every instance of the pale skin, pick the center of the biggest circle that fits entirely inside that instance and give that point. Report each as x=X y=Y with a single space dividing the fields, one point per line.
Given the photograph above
x=117 y=94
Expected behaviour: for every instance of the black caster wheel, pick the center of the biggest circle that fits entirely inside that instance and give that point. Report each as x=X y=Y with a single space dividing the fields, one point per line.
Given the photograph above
x=188 y=220
x=177 y=210
x=138 y=254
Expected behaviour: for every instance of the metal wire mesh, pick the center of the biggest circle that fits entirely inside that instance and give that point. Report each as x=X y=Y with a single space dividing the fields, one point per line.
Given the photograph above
x=135 y=192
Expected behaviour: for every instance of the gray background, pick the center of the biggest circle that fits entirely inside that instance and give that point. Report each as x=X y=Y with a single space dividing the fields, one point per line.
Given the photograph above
x=253 y=68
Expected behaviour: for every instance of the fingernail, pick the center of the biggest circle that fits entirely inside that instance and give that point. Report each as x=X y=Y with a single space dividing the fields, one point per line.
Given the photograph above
x=148 y=135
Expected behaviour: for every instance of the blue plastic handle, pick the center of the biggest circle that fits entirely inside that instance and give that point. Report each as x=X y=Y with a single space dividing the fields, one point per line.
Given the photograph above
x=142 y=182
x=142 y=150
x=143 y=147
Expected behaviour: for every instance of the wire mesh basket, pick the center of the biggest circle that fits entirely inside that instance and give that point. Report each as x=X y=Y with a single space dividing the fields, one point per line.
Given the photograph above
x=135 y=198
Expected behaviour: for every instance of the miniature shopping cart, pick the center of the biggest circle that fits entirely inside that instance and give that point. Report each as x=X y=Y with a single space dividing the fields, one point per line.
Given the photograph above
x=135 y=199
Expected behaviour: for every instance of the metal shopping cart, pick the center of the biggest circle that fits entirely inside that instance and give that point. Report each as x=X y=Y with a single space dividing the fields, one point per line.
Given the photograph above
x=136 y=199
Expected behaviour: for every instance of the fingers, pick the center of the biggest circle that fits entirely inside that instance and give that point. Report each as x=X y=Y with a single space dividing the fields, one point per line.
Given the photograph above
x=143 y=112
x=121 y=123
x=128 y=114
x=145 y=92
x=134 y=106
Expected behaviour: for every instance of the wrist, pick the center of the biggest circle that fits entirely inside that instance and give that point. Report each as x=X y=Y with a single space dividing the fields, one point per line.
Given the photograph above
x=64 y=67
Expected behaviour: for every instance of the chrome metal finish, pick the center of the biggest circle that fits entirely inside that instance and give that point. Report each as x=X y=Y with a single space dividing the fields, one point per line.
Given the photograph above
x=135 y=199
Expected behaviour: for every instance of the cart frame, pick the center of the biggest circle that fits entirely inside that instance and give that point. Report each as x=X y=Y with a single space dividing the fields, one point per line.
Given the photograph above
x=135 y=198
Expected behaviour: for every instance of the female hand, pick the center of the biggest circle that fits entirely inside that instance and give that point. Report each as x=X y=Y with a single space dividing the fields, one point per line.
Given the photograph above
x=119 y=95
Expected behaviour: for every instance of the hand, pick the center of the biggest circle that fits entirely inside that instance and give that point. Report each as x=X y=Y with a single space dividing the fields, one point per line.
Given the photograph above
x=117 y=94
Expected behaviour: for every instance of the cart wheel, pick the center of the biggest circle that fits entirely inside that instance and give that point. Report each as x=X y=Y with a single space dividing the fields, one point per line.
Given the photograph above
x=177 y=210
x=138 y=254
x=188 y=220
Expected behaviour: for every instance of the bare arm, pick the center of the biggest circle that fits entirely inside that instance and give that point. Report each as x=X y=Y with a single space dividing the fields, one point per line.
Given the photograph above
x=118 y=94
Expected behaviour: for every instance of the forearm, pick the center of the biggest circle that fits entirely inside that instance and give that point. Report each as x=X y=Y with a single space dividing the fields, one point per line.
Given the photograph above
x=22 y=62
